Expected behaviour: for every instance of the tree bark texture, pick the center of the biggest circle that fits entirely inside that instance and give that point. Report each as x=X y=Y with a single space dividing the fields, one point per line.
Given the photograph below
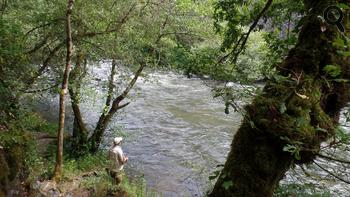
x=80 y=132
x=299 y=109
x=63 y=92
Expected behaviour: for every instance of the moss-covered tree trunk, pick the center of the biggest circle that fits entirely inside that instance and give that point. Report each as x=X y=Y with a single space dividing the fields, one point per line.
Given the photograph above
x=297 y=111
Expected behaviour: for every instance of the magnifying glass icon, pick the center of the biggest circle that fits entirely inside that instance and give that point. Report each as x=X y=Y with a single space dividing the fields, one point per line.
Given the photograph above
x=334 y=16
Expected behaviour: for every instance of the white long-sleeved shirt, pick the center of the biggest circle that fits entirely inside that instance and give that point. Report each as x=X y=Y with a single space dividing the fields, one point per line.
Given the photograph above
x=114 y=153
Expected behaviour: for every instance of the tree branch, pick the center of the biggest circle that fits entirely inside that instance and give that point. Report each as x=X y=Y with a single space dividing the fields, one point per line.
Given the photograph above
x=39 y=45
x=332 y=174
x=41 y=70
x=44 y=25
x=120 y=23
x=240 y=45
x=123 y=105
x=111 y=84
x=129 y=87
x=105 y=118
x=41 y=90
x=174 y=33
x=46 y=62
x=333 y=159
x=146 y=4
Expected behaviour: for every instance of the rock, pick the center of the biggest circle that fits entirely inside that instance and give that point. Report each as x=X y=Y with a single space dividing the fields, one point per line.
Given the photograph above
x=47 y=188
x=230 y=84
x=206 y=77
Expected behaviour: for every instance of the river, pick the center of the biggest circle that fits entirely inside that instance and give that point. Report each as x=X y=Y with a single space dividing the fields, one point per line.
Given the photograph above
x=175 y=132
x=179 y=133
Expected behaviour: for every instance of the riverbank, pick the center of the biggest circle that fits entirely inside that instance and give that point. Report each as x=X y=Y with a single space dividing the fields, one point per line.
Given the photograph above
x=27 y=148
x=87 y=177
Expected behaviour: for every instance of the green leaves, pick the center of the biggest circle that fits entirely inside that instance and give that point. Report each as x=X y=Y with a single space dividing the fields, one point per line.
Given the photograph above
x=343 y=6
x=294 y=150
x=344 y=53
x=283 y=108
x=215 y=175
x=339 y=43
x=332 y=70
x=227 y=184
x=321 y=130
x=342 y=135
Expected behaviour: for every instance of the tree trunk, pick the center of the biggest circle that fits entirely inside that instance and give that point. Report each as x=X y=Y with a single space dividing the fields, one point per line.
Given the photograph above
x=80 y=133
x=111 y=83
x=299 y=110
x=63 y=92
x=106 y=116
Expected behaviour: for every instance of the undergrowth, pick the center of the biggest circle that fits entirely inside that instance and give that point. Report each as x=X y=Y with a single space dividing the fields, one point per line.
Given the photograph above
x=89 y=170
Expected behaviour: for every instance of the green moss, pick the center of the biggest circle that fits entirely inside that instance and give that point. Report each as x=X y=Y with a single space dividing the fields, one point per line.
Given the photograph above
x=293 y=114
x=12 y=157
x=15 y=144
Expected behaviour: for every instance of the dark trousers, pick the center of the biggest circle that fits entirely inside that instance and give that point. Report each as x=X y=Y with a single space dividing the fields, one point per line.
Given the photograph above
x=117 y=176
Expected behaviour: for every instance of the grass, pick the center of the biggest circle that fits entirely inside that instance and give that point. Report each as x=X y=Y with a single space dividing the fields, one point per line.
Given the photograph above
x=94 y=177
x=102 y=186
x=87 y=172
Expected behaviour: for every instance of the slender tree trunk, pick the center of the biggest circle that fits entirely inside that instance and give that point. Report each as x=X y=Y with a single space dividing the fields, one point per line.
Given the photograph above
x=63 y=92
x=300 y=111
x=80 y=133
x=111 y=83
x=106 y=116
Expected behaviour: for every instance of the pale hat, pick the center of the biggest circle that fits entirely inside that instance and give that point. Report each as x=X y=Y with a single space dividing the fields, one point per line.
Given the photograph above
x=117 y=140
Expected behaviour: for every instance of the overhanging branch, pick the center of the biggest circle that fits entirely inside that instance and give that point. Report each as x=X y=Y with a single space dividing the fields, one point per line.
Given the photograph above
x=240 y=45
x=332 y=174
x=333 y=159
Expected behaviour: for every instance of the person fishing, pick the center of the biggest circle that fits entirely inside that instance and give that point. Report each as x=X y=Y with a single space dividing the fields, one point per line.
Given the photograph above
x=118 y=159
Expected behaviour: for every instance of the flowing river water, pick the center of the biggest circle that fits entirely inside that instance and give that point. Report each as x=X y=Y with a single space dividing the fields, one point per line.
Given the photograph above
x=175 y=132
x=180 y=133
